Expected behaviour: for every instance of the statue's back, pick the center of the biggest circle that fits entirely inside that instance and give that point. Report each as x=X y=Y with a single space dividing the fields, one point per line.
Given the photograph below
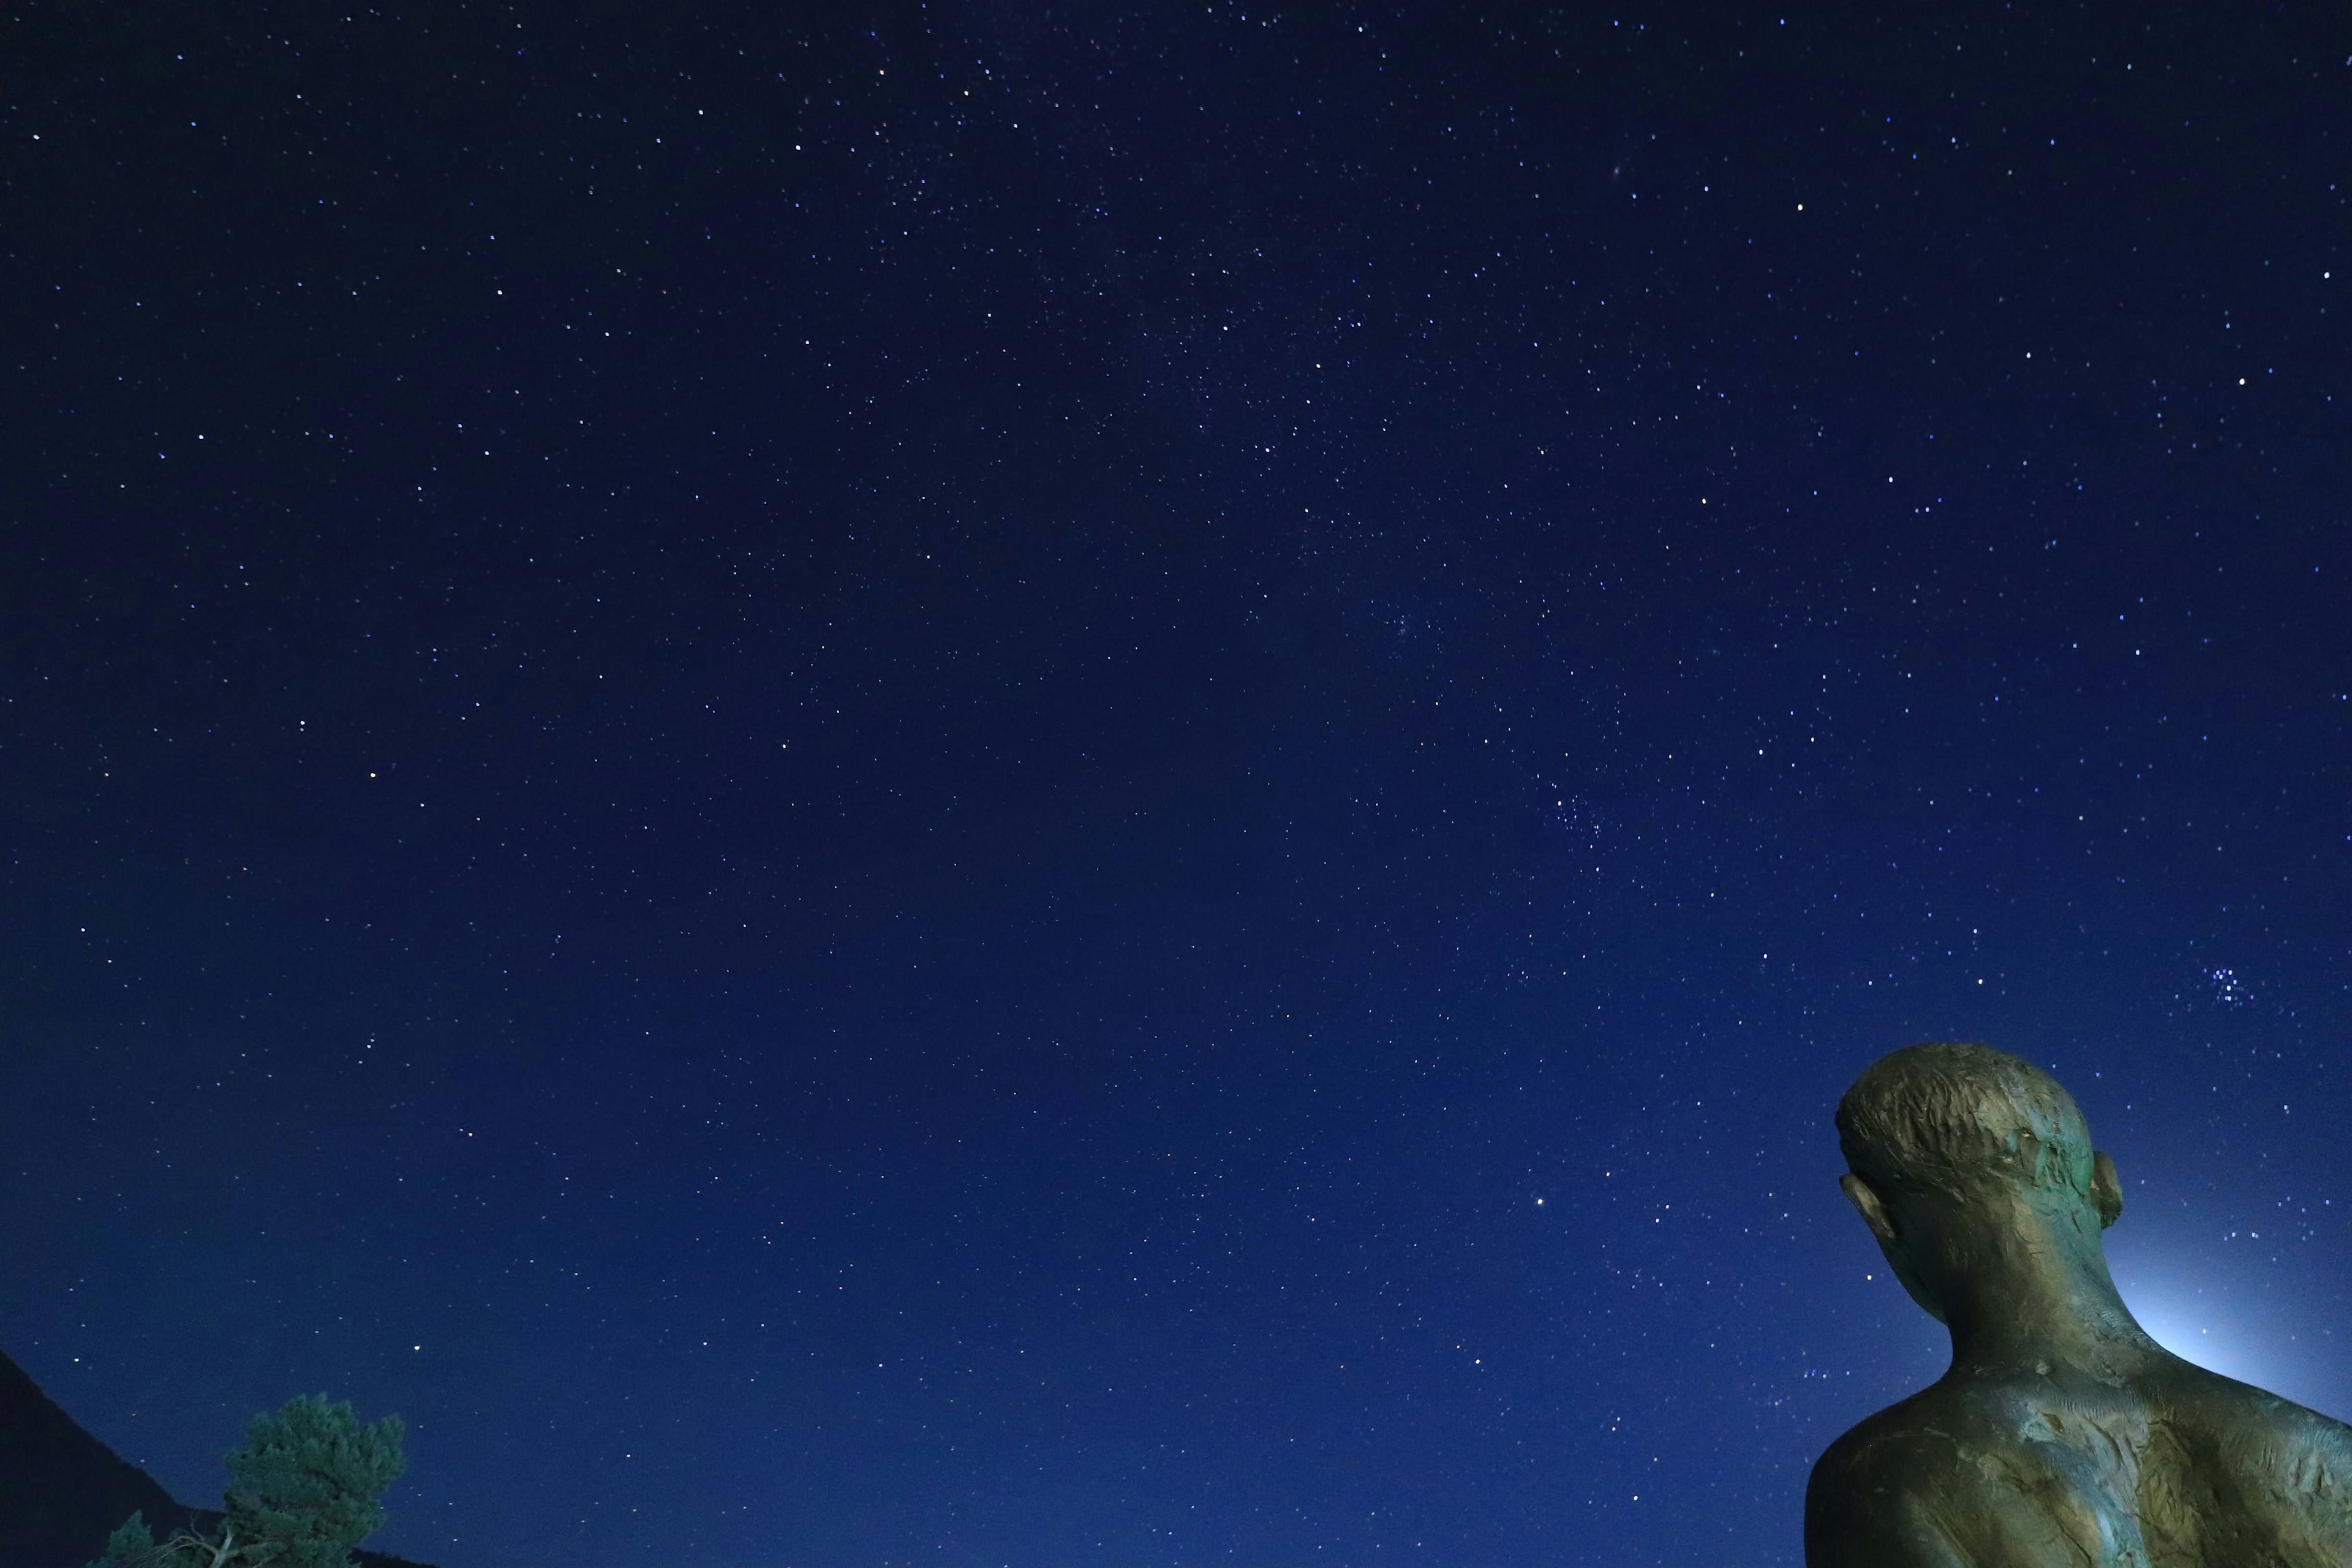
x=2236 y=1475
x=2175 y=1469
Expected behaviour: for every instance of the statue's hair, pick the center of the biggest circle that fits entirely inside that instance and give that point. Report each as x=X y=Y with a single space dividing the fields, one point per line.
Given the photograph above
x=1952 y=1116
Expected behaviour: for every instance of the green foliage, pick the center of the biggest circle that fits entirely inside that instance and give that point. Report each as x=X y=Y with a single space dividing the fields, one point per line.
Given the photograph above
x=132 y=1543
x=306 y=1481
x=303 y=1491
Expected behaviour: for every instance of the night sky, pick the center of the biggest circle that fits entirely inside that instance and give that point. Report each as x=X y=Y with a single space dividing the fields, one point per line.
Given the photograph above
x=972 y=784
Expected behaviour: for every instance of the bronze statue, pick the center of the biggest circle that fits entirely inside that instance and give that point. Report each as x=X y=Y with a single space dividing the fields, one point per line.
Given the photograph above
x=2063 y=1436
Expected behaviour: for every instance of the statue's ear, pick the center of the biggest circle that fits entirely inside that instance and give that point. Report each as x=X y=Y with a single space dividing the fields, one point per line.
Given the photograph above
x=1866 y=1204
x=2106 y=1189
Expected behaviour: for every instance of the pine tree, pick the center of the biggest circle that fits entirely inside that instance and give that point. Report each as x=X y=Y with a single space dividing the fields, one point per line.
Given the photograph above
x=133 y=1542
x=303 y=1491
x=306 y=1481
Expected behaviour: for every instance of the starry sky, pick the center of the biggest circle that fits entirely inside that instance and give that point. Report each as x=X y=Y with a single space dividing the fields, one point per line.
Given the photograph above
x=966 y=784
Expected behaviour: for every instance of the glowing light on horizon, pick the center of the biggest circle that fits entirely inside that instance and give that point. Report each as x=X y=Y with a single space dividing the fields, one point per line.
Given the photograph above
x=2207 y=1324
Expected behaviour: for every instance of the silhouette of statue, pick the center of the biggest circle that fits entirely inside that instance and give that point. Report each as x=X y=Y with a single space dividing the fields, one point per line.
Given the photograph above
x=2063 y=1436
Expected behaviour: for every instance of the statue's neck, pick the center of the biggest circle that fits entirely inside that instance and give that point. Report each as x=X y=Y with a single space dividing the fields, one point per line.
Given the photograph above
x=2038 y=1294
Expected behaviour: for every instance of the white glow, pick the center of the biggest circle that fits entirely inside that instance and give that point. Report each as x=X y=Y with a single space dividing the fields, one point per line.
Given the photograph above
x=2236 y=1302
x=2230 y=1319
x=2198 y=1326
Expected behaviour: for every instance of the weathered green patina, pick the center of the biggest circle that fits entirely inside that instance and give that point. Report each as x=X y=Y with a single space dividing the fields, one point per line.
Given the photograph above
x=2063 y=1436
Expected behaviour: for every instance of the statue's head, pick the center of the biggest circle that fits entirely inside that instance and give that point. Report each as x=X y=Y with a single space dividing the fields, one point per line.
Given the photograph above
x=1952 y=1147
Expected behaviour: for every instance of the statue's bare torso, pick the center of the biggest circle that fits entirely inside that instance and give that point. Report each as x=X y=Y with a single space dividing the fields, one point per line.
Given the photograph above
x=2171 y=1466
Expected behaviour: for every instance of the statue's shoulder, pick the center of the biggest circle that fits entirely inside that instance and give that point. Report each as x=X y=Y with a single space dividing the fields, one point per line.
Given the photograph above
x=1916 y=1439
x=1896 y=1446
x=2317 y=1447
x=1878 y=1494
x=2217 y=1415
x=2275 y=1461
x=1941 y=1479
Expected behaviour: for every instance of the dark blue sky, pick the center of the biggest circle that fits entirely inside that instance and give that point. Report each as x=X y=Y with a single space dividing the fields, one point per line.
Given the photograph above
x=973 y=785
